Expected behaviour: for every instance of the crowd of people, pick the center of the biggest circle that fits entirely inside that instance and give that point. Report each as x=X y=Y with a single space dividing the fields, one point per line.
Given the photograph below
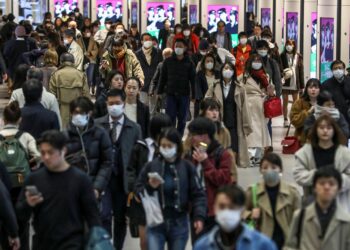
x=100 y=133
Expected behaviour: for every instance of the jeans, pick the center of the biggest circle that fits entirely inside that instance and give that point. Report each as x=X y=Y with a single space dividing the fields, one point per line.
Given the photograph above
x=174 y=232
x=177 y=107
x=114 y=203
x=90 y=74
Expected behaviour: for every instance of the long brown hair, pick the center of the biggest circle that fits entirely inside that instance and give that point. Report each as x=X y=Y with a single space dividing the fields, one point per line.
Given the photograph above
x=338 y=136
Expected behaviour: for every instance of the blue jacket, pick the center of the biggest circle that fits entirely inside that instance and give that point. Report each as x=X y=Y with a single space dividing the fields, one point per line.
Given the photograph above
x=248 y=240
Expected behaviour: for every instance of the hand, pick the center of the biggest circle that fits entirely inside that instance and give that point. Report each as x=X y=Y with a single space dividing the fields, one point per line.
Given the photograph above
x=198 y=226
x=33 y=200
x=97 y=193
x=14 y=243
x=104 y=64
x=199 y=155
x=256 y=213
x=142 y=82
x=270 y=90
x=154 y=183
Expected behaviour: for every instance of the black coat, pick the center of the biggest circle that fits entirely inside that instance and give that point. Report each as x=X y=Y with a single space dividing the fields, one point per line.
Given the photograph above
x=155 y=80
x=228 y=40
x=36 y=119
x=190 y=193
x=201 y=86
x=7 y=213
x=340 y=93
x=299 y=70
x=149 y=70
x=142 y=116
x=163 y=38
x=178 y=77
x=100 y=106
x=98 y=148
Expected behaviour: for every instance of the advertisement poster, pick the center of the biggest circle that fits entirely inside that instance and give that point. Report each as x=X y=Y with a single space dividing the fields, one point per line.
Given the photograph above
x=313 y=55
x=250 y=6
x=292 y=26
x=265 y=17
x=109 y=9
x=134 y=12
x=193 y=14
x=31 y=10
x=64 y=5
x=157 y=13
x=226 y=13
x=326 y=46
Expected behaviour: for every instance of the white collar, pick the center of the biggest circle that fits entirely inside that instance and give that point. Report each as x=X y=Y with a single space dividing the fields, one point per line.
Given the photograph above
x=149 y=141
x=120 y=121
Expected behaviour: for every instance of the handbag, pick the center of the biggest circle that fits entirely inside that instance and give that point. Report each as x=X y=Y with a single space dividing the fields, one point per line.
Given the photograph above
x=272 y=107
x=251 y=222
x=290 y=144
x=153 y=211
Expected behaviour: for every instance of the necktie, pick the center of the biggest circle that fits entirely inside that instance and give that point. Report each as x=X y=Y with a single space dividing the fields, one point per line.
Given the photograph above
x=114 y=131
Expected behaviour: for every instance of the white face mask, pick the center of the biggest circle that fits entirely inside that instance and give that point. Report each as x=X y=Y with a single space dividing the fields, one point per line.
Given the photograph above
x=88 y=34
x=243 y=41
x=80 y=120
x=108 y=26
x=289 y=48
x=256 y=65
x=209 y=65
x=262 y=53
x=179 y=51
x=203 y=53
x=119 y=31
x=168 y=153
x=228 y=220
x=227 y=73
x=147 y=44
x=115 y=110
x=338 y=73
x=178 y=30
x=187 y=32
x=65 y=41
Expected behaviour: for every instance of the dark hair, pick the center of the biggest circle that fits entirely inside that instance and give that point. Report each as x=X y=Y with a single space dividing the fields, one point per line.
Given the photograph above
x=249 y=63
x=155 y=39
x=32 y=90
x=82 y=102
x=27 y=26
x=291 y=42
x=262 y=44
x=337 y=62
x=327 y=172
x=157 y=123
x=272 y=158
x=146 y=34
x=203 y=61
x=323 y=97
x=242 y=34
x=181 y=40
x=67 y=57
x=116 y=92
x=70 y=33
x=20 y=76
x=338 y=137
x=86 y=28
x=12 y=112
x=174 y=136
x=234 y=192
x=221 y=22
x=54 y=138
x=134 y=79
x=202 y=126
x=313 y=82
x=110 y=76
x=266 y=33
x=209 y=103
x=119 y=42
x=258 y=25
x=35 y=73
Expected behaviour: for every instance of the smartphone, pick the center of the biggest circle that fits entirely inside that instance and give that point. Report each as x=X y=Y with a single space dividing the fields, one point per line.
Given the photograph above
x=203 y=147
x=32 y=190
x=155 y=175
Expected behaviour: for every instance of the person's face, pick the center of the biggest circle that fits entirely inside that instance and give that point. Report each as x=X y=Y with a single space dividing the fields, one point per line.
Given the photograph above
x=223 y=16
x=313 y=91
x=114 y=100
x=209 y=60
x=167 y=25
x=180 y=45
x=58 y=22
x=213 y=114
x=87 y=22
x=266 y=165
x=117 y=49
x=132 y=89
x=87 y=33
x=227 y=67
x=329 y=104
x=257 y=31
x=326 y=189
x=69 y=39
x=117 y=82
x=338 y=66
x=161 y=12
x=197 y=139
x=78 y=111
x=51 y=157
x=212 y=17
x=146 y=38
x=233 y=18
x=221 y=27
x=165 y=143
x=325 y=131
x=223 y=202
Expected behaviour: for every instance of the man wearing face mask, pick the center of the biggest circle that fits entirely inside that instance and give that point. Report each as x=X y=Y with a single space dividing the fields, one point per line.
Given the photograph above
x=177 y=80
x=202 y=51
x=124 y=135
x=230 y=233
x=256 y=37
x=149 y=57
x=74 y=48
x=101 y=34
x=241 y=52
x=339 y=86
x=191 y=39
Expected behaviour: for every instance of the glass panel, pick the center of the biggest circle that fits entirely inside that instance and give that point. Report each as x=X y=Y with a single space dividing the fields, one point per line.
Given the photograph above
x=109 y=9
x=157 y=12
x=327 y=47
x=32 y=10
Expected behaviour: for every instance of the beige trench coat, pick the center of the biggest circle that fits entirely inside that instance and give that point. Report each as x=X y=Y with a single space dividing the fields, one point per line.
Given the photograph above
x=337 y=236
x=260 y=137
x=244 y=122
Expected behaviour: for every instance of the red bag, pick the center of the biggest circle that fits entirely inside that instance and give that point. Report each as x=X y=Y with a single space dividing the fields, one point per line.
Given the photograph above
x=290 y=144
x=273 y=107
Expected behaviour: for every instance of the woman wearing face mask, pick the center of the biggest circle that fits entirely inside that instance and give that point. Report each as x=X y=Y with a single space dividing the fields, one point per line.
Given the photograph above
x=326 y=147
x=236 y=116
x=88 y=145
x=241 y=52
x=191 y=38
x=272 y=217
x=90 y=49
x=171 y=39
x=257 y=87
x=135 y=110
x=179 y=191
x=293 y=76
x=114 y=80
x=325 y=105
x=303 y=107
x=205 y=79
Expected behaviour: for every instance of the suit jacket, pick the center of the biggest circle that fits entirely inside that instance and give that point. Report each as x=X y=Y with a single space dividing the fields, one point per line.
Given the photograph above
x=228 y=40
x=128 y=137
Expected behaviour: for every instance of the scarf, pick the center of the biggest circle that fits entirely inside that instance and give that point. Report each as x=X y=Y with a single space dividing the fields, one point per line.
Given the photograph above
x=333 y=112
x=121 y=53
x=148 y=54
x=260 y=77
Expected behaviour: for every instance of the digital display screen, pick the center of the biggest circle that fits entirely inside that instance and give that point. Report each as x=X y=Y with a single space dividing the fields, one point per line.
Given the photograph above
x=31 y=10
x=326 y=46
x=313 y=54
x=292 y=26
x=64 y=5
x=134 y=18
x=109 y=9
x=250 y=6
x=157 y=13
x=193 y=14
x=265 y=17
